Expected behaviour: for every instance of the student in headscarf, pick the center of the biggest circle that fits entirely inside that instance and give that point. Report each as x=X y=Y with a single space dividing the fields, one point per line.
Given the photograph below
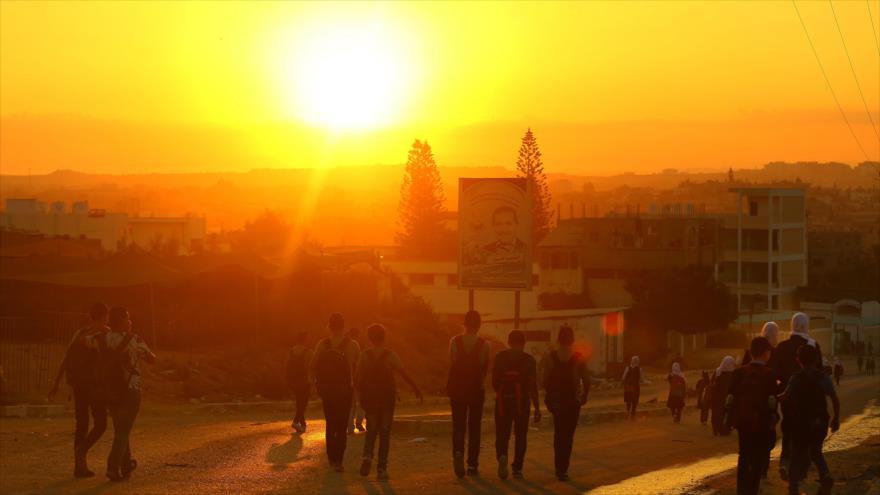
x=720 y=388
x=677 y=390
x=769 y=331
x=786 y=365
x=703 y=397
x=632 y=387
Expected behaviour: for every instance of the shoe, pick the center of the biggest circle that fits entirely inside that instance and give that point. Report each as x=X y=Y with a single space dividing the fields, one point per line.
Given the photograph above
x=783 y=473
x=81 y=468
x=458 y=464
x=562 y=476
x=294 y=425
x=382 y=474
x=472 y=471
x=127 y=470
x=365 y=467
x=83 y=473
x=338 y=468
x=360 y=427
x=113 y=475
x=502 y=467
x=517 y=475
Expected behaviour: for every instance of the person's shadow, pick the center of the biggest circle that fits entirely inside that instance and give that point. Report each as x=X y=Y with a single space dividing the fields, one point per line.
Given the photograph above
x=282 y=454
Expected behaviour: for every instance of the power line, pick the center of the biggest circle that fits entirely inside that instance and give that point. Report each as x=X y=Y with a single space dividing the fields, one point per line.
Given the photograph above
x=853 y=69
x=873 y=29
x=828 y=82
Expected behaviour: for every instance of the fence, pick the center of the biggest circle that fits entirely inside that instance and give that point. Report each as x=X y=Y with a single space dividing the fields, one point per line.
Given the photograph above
x=31 y=350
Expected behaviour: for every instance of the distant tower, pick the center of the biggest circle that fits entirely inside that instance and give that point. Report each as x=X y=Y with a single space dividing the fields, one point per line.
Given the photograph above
x=730 y=175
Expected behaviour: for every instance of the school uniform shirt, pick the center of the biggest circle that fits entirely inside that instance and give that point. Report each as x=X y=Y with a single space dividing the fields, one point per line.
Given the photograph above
x=132 y=353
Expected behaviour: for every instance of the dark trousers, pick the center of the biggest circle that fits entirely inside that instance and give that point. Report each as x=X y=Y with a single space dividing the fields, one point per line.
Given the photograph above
x=806 y=447
x=631 y=404
x=565 y=420
x=750 y=464
x=676 y=412
x=785 y=428
x=467 y=416
x=704 y=414
x=301 y=397
x=379 y=424
x=336 y=417
x=83 y=439
x=123 y=415
x=511 y=415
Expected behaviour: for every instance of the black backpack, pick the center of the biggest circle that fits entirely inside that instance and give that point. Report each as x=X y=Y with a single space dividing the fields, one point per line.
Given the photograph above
x=297 y=369
x=111 y=371
x=512 y=384
x=809 y=398
x=751 y=411
x=333 y=371
x=559 y=383
x=376 y=386
x=466 y=372
x=79 y=364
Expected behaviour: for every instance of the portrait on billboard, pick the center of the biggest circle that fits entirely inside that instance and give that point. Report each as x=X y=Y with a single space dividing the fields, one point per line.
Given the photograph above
x=495 y=228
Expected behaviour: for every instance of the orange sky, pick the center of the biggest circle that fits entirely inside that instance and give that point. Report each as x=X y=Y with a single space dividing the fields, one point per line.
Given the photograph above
x=607 y=87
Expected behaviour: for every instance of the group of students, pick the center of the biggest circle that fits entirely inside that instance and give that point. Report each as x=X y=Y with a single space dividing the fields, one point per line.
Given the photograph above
x=869 y=364
x=343 y=374
x=102 y=368
x=786 y=377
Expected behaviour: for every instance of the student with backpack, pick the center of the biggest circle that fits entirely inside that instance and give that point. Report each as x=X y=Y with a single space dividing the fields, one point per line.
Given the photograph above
x=808 y=418
x=469 y=364
x=118 y=385
x=78 y=367
x=566 y=388
x=332 y=365
x=632 y=387
x=703 y=396
x=721 y=380
x=298 y=379
x=515 y=381
x=677 y=392
x=751 y=405
x=787 y=365
x=378 y=393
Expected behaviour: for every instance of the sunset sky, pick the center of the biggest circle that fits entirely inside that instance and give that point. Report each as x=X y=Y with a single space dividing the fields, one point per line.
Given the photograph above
x=607 y=87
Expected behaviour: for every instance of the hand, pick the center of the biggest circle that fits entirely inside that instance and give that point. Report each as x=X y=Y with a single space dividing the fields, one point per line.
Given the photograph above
x=835 y=425
x=537 y=415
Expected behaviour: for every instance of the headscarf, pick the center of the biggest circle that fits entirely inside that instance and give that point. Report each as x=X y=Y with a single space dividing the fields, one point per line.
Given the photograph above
x=800 y=325
x=633 y=363
x=770 y=331
x=676 y=370
x=727 y=364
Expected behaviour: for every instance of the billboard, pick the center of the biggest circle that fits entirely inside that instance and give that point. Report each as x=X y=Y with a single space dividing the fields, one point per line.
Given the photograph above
x=495 y=234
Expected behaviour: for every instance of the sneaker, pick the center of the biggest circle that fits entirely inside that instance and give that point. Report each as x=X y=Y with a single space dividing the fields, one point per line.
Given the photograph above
x=382 y=474
x=502 y=467
x=127 y=470
x=294 y=425
x=113 y=475
x=338 y=468
x=472 y=471
x=458 y=464
x=365 y=467
x=517 y=475
x=83 y=473
x=562 y=476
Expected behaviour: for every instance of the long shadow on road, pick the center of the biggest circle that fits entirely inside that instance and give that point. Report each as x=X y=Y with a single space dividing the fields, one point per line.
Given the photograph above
x=283 y=454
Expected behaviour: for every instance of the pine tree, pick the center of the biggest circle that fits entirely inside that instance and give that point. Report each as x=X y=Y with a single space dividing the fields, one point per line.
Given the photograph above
x=421 y=204
x=530 y=166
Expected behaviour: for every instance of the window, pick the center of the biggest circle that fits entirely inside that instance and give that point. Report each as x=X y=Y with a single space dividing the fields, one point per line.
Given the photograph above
x=775 y=302
x=753 y=208
x=776 y=240
x=421 y=279
x=452 y=279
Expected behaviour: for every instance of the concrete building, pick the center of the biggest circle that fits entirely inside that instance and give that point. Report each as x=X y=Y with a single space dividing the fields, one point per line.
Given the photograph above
x=186 y=233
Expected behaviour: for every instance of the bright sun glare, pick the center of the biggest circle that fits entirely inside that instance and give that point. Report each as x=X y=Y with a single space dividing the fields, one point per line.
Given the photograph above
x=347 y=77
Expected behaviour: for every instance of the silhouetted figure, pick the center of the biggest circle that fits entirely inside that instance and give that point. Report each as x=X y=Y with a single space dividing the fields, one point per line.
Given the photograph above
x=838 y=371
x=378 y=393
x=769 y=331
x=632 y=387
x=752 y=408
x=118 y=385
x=720 y=389
x=356 y=417
x=298 y=380
x=871 y=365
x=469 y=358
x=515 y=381
x=703 y=396
x=677 y=392
x=566 y=387
x=78 y=366
x=332 y=370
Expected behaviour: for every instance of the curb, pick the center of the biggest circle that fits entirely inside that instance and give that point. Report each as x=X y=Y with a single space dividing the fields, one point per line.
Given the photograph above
x=33 y=411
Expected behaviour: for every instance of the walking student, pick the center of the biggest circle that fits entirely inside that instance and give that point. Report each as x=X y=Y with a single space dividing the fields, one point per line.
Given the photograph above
x=78 y=367
x=118 y=385
x=298 y=379
x=787 y=364
x=514 y=378
x=703 y=396
x=720 y=389
x=378 y=393
x=808 y=418
x=469 y=358
x=332 y=365
x=677 y=392
x=567 y=387
x=632 y=387
x=752 y=407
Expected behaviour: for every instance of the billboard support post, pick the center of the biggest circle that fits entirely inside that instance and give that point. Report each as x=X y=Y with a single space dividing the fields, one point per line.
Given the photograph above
x=516 y=310
x=470 y=299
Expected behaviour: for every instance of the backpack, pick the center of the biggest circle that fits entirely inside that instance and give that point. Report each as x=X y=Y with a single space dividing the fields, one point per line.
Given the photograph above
x=465 y=378
x=677 y=387
x=809 y=398
x=297 y=368
x=376 y=386
x=751 y=413
x=333 y=371
x=559 y=383
x=512 y=383
x=111 y=371
x=79 y=362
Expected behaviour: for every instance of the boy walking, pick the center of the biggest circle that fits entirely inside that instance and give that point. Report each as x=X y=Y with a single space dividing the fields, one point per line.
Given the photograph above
x=378 y=392
x=567 y=386
x=808 y=412
x=514 y=378
x=335 y=357
x=752 y=407
x=298 y=379
x=469 y=358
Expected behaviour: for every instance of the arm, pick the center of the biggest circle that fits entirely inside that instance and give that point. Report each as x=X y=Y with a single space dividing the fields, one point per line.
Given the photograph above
x=533 y=390
x=409 y=380
x=835 y=403
x=145 y=351
x=63 y=367
x=585 y=381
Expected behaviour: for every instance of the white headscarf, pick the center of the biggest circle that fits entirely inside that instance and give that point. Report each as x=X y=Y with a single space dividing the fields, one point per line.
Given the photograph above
x=676 y=370
x=633 y=363
x=727 y=364
x=800 y=325
x=770 y=331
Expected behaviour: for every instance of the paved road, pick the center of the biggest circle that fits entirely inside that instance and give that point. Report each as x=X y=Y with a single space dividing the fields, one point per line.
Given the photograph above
x=182 y=451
